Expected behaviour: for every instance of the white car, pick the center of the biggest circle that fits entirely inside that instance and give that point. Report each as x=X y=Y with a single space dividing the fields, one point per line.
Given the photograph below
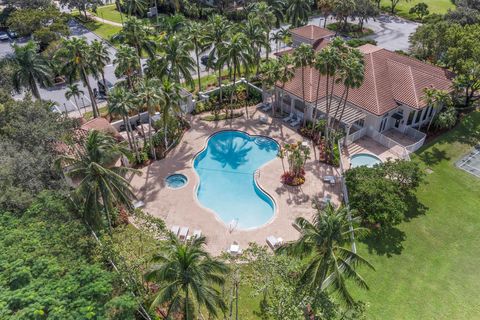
x=4 y=36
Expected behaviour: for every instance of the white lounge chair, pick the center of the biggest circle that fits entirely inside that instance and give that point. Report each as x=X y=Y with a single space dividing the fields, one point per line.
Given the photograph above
x=288 y=118
x=175 y=230
x=197 y=233
x=183 y=233
x=138 y=204
x=296 y=122
x=234 y=249
x=329 y=179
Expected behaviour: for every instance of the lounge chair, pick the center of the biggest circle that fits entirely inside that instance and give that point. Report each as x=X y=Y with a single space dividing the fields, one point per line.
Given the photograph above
x=295 y=123
x=329 y=179
x=326 y=200
x=274 y=242
x=267 y=107
x=288 y=118
x=183 y=233
x=138 y=204
x=175 y=230
x=197 y=233
x=263 y=119
x=234 y=249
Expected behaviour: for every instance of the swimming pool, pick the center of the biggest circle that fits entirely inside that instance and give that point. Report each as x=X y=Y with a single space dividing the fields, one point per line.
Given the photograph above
x=364 y=159
x=226 y=168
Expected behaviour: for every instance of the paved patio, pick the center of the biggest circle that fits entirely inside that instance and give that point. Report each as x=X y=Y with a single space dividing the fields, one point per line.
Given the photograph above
x=181 y=207
x=367 y=145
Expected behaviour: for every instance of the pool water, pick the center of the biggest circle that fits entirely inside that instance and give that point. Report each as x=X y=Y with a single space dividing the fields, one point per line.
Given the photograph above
x=364 y=159
x=176 y=180
x=226 y=168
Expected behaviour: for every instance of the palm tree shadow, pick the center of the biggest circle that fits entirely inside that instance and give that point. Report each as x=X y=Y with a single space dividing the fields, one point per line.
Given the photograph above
x=433 y=156
x=228 y=152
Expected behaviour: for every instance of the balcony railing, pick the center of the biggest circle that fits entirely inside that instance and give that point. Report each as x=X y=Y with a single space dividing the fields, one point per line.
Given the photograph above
x=417 y=136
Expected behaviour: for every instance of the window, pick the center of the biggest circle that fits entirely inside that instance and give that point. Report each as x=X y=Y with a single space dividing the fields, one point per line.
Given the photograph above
x=299 y=105
x=410 y=117
x=431 y=111
x=419 y=115
x=425 y=113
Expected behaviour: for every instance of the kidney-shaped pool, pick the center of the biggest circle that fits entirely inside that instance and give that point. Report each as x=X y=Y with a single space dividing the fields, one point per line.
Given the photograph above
x=226 y=168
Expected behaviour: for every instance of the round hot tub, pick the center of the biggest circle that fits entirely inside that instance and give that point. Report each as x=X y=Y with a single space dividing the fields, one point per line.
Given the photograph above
x=176 y=180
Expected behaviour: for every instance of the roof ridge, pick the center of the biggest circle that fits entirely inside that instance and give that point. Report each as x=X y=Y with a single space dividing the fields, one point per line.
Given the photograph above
x=413 y=86
x=374 y=82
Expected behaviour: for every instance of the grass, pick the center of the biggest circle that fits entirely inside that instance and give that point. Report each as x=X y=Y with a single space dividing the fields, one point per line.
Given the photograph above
x=428 y=269
x=434 y=6
x=103 y=30
x=110 y=13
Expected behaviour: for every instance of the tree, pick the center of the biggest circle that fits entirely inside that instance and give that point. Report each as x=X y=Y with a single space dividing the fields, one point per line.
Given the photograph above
x=100 y=57
x=75 y=92
x=287 y=73
x=121 y=102
x=102 y=185
x=437 y=99
x=446 y=119
x=171 y=105
x=270 y=72
x=236 y=54
x=364 y=10
x=420 y=9
x=81 y=5
x=256 y=36
x=467 y=83
x=393 y=5
x=175 y=62
x=136 y=7
x=189 y=278
x=266 y=18
x=151 y=96
x=196 y=33
x=298 y=12
x=30 y=68
x=216 y=36
x=137 y=34
x=303 y=57
x=342 y=10
x=324 y=243
x=326 y=9
x=127 y=64
x=76 y=58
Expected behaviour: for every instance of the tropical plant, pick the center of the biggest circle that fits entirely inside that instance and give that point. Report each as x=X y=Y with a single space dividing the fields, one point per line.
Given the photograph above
x=447 y=118
x=196 y=33
x=75 y=54
x=102 y=185
x=326 y=243
x=236 y=53
x=127 y=64
x=287 y=73
x=150 y=95
x=189 y=278
x=75 y=92
x=136 y=6
x=270 y=72
x=266 y=18
x=170 y=105
x=298 y=12
x=29 y=68
x=137 y=34
x=297 y=155
x=342 y=9
x=257 y=38
x=436 y=99
x=100 y=57
x=326 y=9
x=303 y=57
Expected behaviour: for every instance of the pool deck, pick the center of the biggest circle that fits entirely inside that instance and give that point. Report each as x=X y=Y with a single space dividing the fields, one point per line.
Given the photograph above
x=181 y=207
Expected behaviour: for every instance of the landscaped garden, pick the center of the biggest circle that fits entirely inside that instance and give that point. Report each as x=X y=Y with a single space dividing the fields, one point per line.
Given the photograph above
x=403 y=6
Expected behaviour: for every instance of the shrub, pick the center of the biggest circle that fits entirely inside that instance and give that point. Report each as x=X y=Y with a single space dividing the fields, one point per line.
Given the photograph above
x=355 y=43
x=292 y=179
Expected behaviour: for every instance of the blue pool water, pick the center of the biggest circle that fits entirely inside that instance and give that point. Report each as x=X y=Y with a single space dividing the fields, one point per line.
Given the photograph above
x=176 y=180
x=364 y=159
x=227 y=186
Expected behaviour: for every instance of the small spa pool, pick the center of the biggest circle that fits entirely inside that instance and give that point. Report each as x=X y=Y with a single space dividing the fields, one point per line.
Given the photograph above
x=364 y=159
x=176 y=180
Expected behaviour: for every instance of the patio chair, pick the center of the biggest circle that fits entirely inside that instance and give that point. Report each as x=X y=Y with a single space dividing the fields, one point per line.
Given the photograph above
x=175 y=230
x=183 y=233
x=288 y=118
x=267 y=107
x=138 y=204
x=263 y=119
x=234 y=249
x=329 y=179
x=197 y=233
x=295 y=123
x=274 y=242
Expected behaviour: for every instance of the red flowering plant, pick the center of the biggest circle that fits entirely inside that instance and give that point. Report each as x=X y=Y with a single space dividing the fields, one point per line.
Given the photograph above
x=296 y=155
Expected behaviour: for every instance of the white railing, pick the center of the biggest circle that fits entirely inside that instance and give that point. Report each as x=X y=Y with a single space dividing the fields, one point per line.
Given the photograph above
x=391 y=144
x=355 y=136
x=415 y=135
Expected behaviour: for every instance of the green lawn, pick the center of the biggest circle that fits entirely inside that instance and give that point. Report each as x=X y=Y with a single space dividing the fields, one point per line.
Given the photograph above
x=109 y=12
x=433 y=273
x=434 y=6
x=103 y=30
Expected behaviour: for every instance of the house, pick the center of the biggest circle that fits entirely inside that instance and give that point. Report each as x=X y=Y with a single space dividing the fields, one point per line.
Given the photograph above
x=389 y=106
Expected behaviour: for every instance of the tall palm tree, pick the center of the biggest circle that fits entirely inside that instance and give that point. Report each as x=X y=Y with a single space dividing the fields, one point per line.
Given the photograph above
x=151 y=97
x=257 y=37
x=171 y=105
x=189 y=278
x=195 y=34
x=303 y=57
x=297 y=12
x=325 y=244
x=136 y=6
x=127 y=64
x=121 y=102
x=215 y=38
x=30 y=68
x=102 y=185
x=137 y=34
x=76 y=58
x=278 y=9
x=270 y=72
x=176 y=61
x=75 y=92
x=100 y=57
x=237 y=53
x=267 y=19
x=287 y=73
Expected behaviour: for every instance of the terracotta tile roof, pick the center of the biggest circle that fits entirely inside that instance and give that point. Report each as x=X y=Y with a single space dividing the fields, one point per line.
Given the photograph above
x=312 y=32
x=390 y=79
x=318 y=45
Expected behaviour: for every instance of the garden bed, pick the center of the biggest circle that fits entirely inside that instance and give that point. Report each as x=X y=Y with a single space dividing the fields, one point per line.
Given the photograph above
x=351 y=30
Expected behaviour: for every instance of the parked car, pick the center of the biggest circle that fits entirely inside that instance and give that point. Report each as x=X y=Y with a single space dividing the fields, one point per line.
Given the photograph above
x=12 y=34
x=102 y=88
x=4 y=36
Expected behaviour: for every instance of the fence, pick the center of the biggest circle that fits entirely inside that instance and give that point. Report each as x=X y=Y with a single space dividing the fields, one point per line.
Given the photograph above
x=355 y=136
x=393 y=146
x=415 y=135
x=206 y=94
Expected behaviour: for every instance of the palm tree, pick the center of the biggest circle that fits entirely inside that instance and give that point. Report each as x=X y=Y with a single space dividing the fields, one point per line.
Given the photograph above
x=102 y=185
x=30 y=68
x=76 y=58
x=287 y=73
x=270 y=71
x=298 y=11
x=436 y=99
x=176 y=61
x=266 y=18
x=127 y=63
x=303 y=57
x=218 y=30
x=256 y=36
x=136 y=6
x=100 y=57
x=75 y=92
x=324 y=243
x=121 y=102
x=278 y=8
x=195 y=33
x=237 y=53
x=136 y=34
x=151 y=96
x=171 y=105
x=189 y=278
